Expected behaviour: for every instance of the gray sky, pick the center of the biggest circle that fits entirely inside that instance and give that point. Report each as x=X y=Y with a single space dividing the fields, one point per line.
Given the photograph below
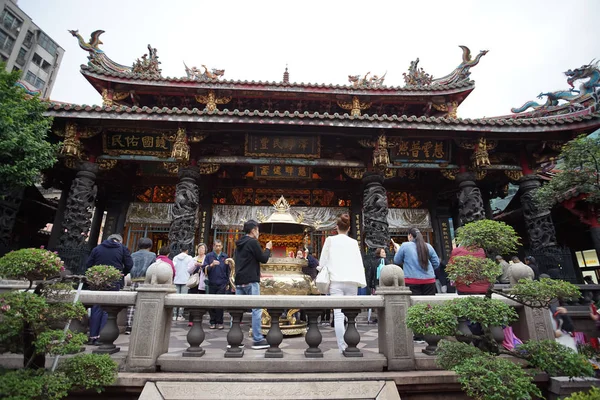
x=531 y=42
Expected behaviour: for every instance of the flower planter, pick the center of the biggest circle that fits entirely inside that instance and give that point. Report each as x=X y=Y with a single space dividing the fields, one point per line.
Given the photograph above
x=479 y=287
x=432 y=342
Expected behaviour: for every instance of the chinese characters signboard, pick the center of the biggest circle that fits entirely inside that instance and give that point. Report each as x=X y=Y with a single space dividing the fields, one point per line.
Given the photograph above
x=422 y=150
x=446 y=238
x=283 y=146
x=149 y=144
x=282 y=172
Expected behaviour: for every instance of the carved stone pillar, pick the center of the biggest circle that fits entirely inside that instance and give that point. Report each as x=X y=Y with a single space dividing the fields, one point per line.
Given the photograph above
x=80 y=203
x=540 y=227
x=185 y=209
x=470 y=202
x=375 y=211
x=10 y=201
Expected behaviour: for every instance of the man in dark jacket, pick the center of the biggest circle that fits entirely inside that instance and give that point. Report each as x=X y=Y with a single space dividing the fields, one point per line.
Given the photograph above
x=248 y=256
x=218 y=278
x=109 y=252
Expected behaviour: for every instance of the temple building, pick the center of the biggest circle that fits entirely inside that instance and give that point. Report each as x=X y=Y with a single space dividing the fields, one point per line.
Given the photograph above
x=187 y=160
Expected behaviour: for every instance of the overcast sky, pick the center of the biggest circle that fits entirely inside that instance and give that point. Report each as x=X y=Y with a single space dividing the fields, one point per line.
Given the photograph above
x=530 y=42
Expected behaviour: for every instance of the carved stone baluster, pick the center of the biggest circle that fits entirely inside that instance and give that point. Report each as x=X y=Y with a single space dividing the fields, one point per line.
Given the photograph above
x=196 y=335
x=235 y=336
x=274 y=336
x=375 y=211
x=540 y=227
x=313 y=335
x=181 y=231
x=470 y=202
x=110 y=332
x=352 y=337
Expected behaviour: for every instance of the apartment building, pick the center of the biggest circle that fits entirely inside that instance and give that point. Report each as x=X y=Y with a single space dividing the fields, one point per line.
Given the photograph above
x=25 y=47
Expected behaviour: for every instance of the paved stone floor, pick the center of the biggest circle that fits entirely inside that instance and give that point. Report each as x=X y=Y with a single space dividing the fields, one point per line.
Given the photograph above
x=217 y=339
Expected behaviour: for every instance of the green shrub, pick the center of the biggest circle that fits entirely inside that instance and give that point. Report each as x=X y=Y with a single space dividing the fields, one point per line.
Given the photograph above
x=541 y=293
x=555 y=359
x=58 y=342
x=492 y=236
x=470 y=269
x=28 y=384
x=431 y=319
x=593 y=394
x=31 y=264
x=17 y=309
x=60 y=291
x=487 y=377
x=487 y=312
x=102 y=277
x=90 y=371
x=450 y=354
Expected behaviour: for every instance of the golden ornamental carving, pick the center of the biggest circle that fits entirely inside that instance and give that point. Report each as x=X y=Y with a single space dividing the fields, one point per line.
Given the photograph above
x=556 y=145
x=108 y=100
x=71 y=163
x=355 y=173
x=450 y=173
x=71 y=146
x=513 y=175
x=106 y=165
x=211 y=100
x=480 y=156
x=181 y=150
x=381 y=157
x=480 y=174
x=207 y=169
x=355 y=106
x=450 y=108
x=389 y=173
x=173 y=168
x=196 y=137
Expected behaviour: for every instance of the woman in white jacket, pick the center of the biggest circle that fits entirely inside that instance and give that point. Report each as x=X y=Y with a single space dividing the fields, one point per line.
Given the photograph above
x=341 y=255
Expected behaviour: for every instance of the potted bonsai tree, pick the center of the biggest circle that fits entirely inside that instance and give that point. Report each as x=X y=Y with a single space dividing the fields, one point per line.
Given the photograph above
x=102 y=277
x=473 y=274
x=434 y=321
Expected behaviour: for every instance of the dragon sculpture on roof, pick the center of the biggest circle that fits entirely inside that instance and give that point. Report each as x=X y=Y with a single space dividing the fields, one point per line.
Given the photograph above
x=365 y=82
x=195 y=74
x=148 y=65
x=589 y=91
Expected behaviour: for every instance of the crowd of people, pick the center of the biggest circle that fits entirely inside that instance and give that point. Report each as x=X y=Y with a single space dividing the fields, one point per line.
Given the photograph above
x=424 y=273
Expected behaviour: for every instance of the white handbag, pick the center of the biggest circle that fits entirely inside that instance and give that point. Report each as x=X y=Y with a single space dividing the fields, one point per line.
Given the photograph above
x=322 y=280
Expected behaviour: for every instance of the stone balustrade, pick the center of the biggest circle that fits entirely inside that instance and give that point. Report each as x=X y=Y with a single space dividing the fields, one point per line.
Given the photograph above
x=149 y=341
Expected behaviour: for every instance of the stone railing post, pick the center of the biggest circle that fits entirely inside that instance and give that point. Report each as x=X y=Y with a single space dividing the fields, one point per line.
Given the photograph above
x=537 y=324
x=395 y=339
x=151 y=329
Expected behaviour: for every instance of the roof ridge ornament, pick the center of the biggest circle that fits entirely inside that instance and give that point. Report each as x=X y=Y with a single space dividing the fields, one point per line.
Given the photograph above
x=149 y=65
x=365 y=82
x=462 y=72
x=587 y=93
x=97 y=57
x=195 y=74
x=416 y=76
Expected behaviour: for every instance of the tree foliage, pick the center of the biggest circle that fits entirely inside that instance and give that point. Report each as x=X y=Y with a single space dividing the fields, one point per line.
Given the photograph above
x=493 y=237
x=579 y=172
x=24 y=150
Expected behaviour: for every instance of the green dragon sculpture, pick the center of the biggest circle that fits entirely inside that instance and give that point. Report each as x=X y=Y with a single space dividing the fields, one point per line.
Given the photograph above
x=586 y=91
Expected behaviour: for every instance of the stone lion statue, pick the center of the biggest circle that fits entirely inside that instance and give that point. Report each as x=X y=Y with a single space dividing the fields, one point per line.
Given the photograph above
x=391 y=276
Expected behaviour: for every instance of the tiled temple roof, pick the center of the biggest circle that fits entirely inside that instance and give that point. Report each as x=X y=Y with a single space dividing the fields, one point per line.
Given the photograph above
x=556 y=122
x=232 y=84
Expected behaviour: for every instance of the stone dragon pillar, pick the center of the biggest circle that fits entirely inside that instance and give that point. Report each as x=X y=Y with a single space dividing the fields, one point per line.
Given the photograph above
x=470 y=202
x=73 y=248
x=540 y=227
x=375 y=211
x=185 y=209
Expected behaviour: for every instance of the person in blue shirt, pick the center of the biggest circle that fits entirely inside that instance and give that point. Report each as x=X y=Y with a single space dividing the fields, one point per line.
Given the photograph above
x=419 y=262
x=217 y=272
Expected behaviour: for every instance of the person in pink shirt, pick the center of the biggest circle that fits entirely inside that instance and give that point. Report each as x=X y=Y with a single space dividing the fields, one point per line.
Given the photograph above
x=163 y=255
